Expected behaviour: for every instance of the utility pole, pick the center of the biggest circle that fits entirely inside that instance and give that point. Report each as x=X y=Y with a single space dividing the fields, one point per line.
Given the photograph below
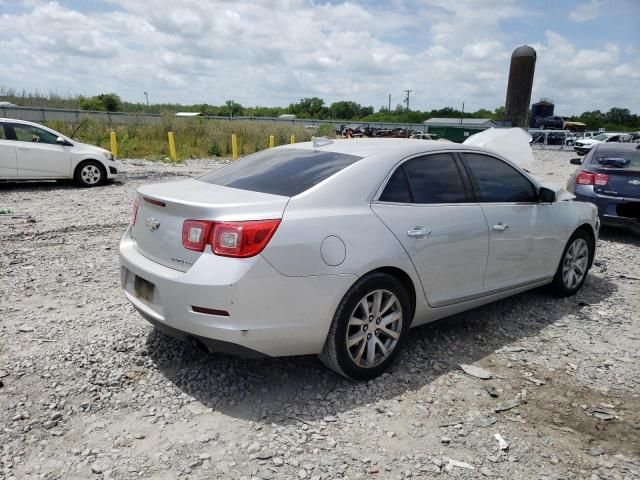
x=147 y=97
x=407 y=100
x=389 y=103
x=462 y=114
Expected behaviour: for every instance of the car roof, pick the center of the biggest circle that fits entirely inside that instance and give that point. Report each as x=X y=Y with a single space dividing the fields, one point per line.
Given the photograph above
x=15 y=120
x=396 y=147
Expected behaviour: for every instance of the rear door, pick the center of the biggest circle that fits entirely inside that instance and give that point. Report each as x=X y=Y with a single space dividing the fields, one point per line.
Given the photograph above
x=38 y=153
x=8 y=161
x=525 y=236
x=426 y=203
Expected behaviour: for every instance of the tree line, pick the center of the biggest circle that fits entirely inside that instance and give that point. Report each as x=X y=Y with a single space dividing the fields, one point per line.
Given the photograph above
x=617 y=118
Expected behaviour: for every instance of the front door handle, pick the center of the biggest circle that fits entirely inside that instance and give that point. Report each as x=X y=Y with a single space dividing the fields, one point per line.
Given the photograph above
x=419 y=232
x=500 y=227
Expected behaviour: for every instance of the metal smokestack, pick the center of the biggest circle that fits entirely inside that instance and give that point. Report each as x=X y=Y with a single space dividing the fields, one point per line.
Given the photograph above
x=523 y=64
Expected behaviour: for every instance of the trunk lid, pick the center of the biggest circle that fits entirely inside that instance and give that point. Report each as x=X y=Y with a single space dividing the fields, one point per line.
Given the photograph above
x=623 y=182
x=163 y=208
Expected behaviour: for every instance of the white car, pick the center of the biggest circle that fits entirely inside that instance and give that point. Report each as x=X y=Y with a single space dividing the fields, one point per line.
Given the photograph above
x=337 y=248
x=583 y=145
x=428 y=136
x=29 y=151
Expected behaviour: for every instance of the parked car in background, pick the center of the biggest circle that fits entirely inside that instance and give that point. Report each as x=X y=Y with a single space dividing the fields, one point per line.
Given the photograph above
x=337 y=248
x=29 y=151
x=609 y=177
x=583 y=146
x=428 y=136
x=552 y=121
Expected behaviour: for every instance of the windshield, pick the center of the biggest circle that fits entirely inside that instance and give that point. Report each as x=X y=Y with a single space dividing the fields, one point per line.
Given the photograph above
x=617 y=157
x=602 y=136
x=286 y=172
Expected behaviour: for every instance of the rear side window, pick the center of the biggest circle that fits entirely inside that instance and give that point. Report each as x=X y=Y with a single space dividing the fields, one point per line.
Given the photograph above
x=285 y=172
x=497 y=181
x=2 y=134
x=429 y=179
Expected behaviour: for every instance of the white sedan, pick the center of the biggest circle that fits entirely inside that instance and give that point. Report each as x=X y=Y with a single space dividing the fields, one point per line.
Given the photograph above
x=337 y=248
x=29 y=151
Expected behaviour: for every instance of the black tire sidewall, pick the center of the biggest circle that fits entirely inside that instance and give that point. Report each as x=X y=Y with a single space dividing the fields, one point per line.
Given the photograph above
x=558 y=282
x=78 y=175
x=343 y=314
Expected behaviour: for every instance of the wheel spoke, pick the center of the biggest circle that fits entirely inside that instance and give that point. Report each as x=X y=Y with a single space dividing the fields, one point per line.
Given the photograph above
x=377 y=301
x=388 y=304
x=356 y=322
x=355 y=339
x=390 y=333
x=358 y=357
x=392 y=317
x=383 y=349
x=365 y=307
x=371 y=351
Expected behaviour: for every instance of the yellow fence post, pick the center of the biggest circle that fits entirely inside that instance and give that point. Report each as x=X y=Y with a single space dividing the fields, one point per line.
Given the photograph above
x=234 y=146
x=272 y=141
x=172 y=146
x=114 y=144
x=293 y=139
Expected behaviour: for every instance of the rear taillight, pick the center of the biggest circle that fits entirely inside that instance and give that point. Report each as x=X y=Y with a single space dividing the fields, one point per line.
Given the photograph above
x=229 y=239
x=134 y=212
x=588 y=178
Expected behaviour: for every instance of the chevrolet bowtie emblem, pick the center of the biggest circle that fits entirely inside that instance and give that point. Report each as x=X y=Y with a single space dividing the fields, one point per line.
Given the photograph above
x=152 y=224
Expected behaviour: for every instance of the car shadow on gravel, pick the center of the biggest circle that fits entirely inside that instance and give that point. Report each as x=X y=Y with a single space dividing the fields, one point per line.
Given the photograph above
x=47 y=185
x=619 y=236
x=285 y=390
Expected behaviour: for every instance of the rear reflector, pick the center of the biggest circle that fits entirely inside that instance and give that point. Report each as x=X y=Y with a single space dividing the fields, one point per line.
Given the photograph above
x=153 y=201
x=229 y=239
x=588 y=178
x=210 y=311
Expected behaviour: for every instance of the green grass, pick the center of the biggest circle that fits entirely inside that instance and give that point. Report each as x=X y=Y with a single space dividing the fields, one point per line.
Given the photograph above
x=194 y=137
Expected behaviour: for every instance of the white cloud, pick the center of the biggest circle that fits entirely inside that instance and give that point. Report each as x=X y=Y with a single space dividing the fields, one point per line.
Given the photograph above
x=585 y=11
x=273 y=52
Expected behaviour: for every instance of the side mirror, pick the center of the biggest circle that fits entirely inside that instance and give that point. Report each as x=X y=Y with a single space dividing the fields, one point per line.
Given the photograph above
x=61 y=140
x=546 y=195
x=575 y=161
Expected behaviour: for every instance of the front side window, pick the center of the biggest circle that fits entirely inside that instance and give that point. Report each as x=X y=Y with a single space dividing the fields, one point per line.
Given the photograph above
x=29 y=133
x=498 y=182
x=429 y=179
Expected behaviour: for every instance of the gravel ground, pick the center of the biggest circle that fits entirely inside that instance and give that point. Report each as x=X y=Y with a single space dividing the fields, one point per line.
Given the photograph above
x=89 y=390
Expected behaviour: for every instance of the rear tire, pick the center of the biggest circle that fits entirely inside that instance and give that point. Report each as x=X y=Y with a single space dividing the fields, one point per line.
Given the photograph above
x=575 y=262
x=369 y=328
x=90 y=174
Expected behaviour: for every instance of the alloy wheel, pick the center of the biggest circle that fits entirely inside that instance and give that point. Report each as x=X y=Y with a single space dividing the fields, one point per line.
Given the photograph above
x=374 y=328
x=574 y=266
x=90 y=174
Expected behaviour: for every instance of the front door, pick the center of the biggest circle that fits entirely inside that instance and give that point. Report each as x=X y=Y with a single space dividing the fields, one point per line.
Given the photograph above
x=39 y=155
x=427 y=206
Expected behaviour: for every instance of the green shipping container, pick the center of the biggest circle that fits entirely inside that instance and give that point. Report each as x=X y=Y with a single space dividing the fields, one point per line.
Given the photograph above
x=455 y=134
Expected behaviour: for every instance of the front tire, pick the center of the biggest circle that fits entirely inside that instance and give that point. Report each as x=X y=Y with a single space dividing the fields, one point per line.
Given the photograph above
x=576 y=260
x=369 y=328
x=90 y=174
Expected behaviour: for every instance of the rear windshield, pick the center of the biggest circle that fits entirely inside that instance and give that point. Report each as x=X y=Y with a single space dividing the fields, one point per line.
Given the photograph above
x=286 y=172
x=611 y=157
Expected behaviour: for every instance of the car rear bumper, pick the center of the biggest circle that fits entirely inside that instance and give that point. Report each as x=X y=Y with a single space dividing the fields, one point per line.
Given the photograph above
x=260 y=312
x=613 y=212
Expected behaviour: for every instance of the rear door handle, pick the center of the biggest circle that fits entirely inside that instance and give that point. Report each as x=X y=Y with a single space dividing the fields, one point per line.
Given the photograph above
x=500 y=227
x=419 y=232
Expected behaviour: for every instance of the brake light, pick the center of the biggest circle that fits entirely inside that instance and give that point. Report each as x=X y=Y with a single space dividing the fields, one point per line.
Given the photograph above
x=195 y=234
x=588 y=178
x=229 y=239
x=134 y=212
